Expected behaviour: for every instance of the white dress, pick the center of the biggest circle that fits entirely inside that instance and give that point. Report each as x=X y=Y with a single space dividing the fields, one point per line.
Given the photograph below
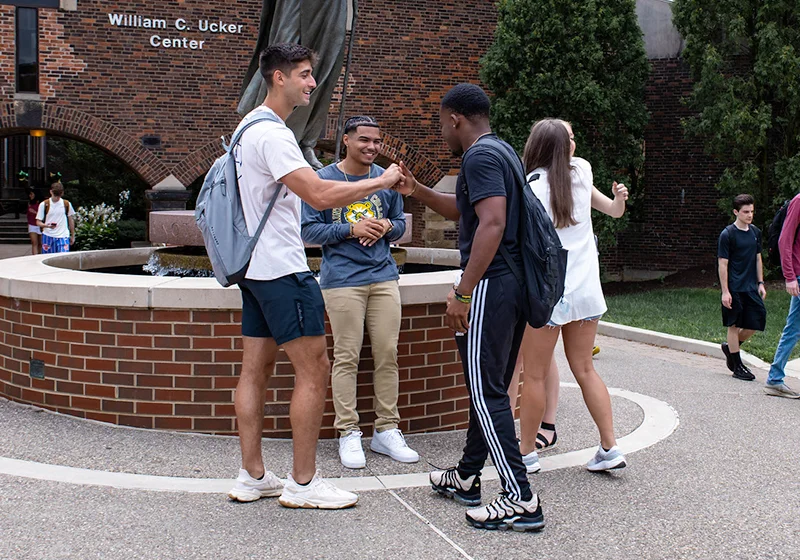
x=583 y=294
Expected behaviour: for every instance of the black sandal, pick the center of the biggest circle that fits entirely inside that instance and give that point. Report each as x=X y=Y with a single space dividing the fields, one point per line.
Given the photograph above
x=542 y=444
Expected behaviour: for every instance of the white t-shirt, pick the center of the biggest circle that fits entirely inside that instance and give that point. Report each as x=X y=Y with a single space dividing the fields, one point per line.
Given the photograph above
x=267 y=152
x=583 y=293
x=57 y=215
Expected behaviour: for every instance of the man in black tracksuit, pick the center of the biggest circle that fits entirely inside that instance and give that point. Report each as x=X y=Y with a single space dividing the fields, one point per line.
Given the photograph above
x=484 y=309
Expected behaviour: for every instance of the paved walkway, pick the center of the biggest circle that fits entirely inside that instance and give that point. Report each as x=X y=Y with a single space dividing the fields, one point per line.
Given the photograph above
x=721 y=484
x=11 y=251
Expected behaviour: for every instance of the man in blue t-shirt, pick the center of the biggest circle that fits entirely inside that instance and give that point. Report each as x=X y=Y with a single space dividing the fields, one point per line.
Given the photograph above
x=485 y=309
x=359 y=281
x=741 y=277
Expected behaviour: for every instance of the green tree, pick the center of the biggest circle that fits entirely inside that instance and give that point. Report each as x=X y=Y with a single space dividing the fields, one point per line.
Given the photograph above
x=745 y=61
x=583 y=62
x=92 y=176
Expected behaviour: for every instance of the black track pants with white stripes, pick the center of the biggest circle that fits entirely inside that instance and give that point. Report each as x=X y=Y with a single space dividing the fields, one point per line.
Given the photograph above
x=489 y=352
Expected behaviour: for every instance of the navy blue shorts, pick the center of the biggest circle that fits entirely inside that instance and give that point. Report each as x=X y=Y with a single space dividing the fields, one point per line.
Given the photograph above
x=284 y=309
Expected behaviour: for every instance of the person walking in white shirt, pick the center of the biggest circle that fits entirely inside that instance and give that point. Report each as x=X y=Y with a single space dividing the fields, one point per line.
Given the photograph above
x=56 y=219
x=564 y=185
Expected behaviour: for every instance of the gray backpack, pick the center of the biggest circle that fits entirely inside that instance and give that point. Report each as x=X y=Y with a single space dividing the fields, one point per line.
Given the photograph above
x=220 y=217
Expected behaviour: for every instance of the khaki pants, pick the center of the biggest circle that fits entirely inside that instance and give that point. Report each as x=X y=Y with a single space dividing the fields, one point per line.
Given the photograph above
x=377 y=305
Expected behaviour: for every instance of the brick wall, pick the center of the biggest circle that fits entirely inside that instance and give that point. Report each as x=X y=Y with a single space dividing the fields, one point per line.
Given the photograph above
x=7 y=53
x=177 y=369
x=678 y=226
x=112 y=80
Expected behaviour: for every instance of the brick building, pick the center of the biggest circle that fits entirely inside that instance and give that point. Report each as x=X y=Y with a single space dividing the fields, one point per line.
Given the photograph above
x=157 y=83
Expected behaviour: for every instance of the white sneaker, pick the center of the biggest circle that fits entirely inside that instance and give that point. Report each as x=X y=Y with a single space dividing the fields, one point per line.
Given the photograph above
x=317 y=494
x=249 y=489
x=393 y=444
x=351 y=454
x=531 y=462
x=607 y=460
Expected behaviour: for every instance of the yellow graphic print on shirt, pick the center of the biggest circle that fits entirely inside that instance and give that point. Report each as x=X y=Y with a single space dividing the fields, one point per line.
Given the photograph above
x=358 y=211
x=365 y=208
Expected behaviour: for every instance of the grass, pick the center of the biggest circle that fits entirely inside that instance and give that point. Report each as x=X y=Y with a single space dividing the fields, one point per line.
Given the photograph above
x=695 y=313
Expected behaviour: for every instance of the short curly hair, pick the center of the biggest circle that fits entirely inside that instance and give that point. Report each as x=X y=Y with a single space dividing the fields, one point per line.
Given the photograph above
x=468 y=100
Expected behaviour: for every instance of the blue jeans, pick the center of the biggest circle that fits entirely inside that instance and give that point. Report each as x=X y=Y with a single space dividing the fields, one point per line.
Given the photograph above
x=789 y=338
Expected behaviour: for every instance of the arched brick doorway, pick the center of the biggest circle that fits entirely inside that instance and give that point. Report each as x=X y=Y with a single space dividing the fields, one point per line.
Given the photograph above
x=20 y=117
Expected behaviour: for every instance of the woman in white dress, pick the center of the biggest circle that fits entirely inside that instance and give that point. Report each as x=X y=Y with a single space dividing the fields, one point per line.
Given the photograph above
x=564 y=185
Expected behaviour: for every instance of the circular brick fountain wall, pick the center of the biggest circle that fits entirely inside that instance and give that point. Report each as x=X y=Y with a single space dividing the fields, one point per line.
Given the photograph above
x=165 y=352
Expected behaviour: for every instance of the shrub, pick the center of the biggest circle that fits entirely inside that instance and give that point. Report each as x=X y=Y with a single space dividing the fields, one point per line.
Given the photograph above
x=745 y=59
x=96 y=227
x=129 y=231
x=583 y=62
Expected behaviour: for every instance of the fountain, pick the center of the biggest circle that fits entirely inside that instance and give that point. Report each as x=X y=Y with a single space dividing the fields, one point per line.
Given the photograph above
x=164 y=352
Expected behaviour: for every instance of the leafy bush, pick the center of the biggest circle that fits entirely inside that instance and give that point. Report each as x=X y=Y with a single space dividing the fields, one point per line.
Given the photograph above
x=96 y=227
x=129 y=231
x=583 y=62
x=745 y=59
x=92 y=176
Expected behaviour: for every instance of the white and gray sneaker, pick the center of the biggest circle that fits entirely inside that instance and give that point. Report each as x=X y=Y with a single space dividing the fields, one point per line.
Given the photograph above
x=531 y=461
x=781 y=390
x=393 y=444
x=606 y=460
x=249 y=489
x=505 y=513
x=449 y=483
x=351 y=454
x=317 y=494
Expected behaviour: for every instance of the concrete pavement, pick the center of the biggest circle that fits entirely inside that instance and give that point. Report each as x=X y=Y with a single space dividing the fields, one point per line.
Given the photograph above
x=722 y=485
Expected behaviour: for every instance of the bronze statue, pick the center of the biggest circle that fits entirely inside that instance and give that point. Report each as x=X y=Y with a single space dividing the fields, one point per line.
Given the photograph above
x=317 y=24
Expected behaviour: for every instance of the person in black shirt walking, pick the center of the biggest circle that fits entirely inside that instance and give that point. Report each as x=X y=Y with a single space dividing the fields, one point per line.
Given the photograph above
x=485 y=309
x=741 y=277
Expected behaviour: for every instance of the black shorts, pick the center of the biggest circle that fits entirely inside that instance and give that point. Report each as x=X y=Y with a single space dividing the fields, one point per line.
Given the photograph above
x=747 y=312
x=284 y=309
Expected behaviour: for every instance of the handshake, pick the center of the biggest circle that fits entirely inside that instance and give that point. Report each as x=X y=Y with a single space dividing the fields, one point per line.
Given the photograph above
x=399 y=178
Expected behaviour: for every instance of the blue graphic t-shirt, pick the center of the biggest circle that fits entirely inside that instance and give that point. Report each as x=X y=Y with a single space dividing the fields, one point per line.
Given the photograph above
x=345 y=262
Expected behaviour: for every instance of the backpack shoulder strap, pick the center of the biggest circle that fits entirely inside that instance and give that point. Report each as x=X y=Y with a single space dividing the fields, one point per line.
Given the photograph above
x=514 y=162
x=46 y=208
x=516 y=167
x=731 y=239
x=66 y=207
x=237 y=134
x=263 y=221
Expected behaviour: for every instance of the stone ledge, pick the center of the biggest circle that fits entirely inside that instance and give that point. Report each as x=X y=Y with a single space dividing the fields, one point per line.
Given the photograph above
x=36 y=278
x=655 y=338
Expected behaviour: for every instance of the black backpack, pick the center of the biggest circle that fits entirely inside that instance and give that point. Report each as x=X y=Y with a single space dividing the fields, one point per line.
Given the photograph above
x=774 y=234
x=544 y=259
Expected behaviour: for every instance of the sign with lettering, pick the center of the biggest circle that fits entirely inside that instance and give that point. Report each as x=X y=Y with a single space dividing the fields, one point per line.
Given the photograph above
x=179 y=25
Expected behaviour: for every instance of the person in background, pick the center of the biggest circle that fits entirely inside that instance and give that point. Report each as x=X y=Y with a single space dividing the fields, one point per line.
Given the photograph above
x=741 y=277
x=789 y=248
x=56 y=218
x=34 y=231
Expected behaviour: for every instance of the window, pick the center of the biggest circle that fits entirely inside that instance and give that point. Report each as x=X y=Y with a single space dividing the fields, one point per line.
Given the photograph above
x=27 y=50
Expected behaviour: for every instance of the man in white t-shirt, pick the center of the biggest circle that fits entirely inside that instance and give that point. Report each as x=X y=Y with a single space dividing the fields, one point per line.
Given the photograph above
x=282 y=304
x=55 y=217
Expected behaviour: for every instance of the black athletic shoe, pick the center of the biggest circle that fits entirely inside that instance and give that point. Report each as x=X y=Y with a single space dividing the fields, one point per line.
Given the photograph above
x=728 y=358
x=448 y=483
x=743 y=372
x=505 y=513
